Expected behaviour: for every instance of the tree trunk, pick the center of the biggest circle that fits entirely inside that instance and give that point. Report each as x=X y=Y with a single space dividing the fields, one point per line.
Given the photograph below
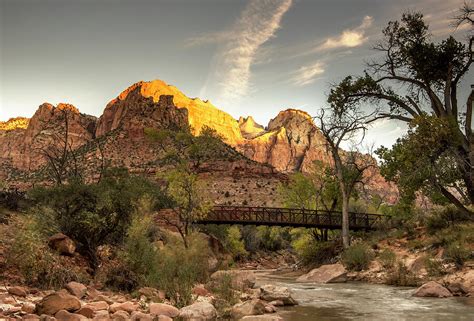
x=345 y=219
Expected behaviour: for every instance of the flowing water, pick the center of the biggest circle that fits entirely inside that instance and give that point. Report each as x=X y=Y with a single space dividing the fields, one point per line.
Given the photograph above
x=362 y=301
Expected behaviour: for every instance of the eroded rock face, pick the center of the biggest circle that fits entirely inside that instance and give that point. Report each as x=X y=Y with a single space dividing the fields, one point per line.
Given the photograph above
x=432 y=289
x=22 y=145
x=199 y=113
x=330 y=273
x=291 y=142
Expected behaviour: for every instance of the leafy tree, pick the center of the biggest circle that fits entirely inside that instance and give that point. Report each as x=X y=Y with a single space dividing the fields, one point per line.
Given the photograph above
x=427 y=77
x=299 y=192
x=187 y=193
x=424 y=160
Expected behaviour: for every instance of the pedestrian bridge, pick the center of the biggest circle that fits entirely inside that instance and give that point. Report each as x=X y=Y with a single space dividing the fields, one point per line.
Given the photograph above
x=295 y=217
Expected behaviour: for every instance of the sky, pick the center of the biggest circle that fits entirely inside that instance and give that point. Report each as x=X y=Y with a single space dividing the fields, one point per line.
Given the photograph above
x=252 y=57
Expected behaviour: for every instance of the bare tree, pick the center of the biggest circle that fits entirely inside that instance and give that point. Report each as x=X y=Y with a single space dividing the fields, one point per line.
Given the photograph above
x=62 y=162
x=464 y=15
x=340 y=127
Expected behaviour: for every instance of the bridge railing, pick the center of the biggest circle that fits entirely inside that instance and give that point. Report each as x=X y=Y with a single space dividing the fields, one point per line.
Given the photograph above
x=224 y=214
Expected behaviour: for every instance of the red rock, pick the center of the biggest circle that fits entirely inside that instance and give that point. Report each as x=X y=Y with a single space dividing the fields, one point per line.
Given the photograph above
x=62 y=243
x=163 y=309
x=77 y=289
x=18 y=291
x=432 y=289
x=58 y=301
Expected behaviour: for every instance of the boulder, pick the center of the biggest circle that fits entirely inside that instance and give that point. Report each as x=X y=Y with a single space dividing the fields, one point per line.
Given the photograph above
x=164 y=318
x=101 y=315
x=125 y=306
x=64 y=315
x=86 y=311
x=62 y=243
x=98 y=305
x=77 y=289
x=120 y=316
x=200 y=290
x=271 y=293
x=240 y=279
x=30 y=317
x=330 y=273
x=140 y=316
x=432 y=289
x=265 y=317
x=18 y=291
x=152 y=294
x=457 y=289
x=28 y=307
x=55 y=302
x=200 y=311
x=163 y=309
x=252 y=307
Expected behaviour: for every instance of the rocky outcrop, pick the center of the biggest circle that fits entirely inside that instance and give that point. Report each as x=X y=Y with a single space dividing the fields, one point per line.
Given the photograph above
x=330 y=273
x=199 y=113
x=291 y=142
x=249 y=128
x=23 y=147
x=62 y=243
x=432 y=289
x=14 y=123
x=270 y=292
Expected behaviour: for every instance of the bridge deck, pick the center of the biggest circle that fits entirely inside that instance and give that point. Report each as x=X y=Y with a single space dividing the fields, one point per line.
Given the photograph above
x=274 y=216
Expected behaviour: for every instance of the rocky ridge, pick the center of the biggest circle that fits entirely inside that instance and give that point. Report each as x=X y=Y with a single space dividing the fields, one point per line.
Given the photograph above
x=290 y=142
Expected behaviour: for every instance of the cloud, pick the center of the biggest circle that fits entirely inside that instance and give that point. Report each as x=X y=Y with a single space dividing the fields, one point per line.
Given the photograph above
x=349 y=38
x=256 y=25
x=208 y=38
x=307 y=74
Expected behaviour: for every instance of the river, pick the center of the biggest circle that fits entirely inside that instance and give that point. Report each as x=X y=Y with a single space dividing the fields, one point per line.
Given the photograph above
x=362 y=301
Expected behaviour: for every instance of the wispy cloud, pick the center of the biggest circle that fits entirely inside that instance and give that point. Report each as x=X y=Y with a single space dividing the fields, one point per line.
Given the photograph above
x=349 y=38
x=257 y=24
x=307 y=74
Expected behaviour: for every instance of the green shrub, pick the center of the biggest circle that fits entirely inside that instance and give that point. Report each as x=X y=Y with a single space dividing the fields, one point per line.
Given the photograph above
x=179 y=268
x=272 y=238
x=235 y=244
x=457 y=253
x=357 y=257
x=97 y=214
x=139 y=251
x=388 y=258
x=434 y=267
x=38 y=265
x=401 y=276
x=225 y=295
x=313 y=252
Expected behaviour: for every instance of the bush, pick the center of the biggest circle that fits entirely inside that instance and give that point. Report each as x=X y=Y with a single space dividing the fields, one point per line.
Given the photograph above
x=38 y=265
x=388 y=258
x=178 y=268
x=313 y=252
x=97 y=214
x=357 y=257
x=225 y=295
x=434 y=267
x=140 y=254
x=272 y=238
x=235 y=244
x=401 y=276
x=457 y=254
x=447 y=216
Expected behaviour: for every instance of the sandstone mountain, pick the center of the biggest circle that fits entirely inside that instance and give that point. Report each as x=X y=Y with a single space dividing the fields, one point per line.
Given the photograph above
x=290 y=142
